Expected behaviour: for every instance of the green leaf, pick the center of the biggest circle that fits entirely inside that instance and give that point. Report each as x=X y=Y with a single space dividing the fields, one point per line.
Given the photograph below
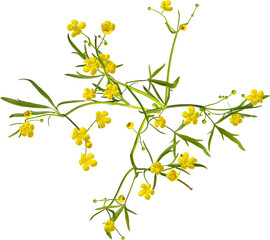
x=155 y=181
x=82 y=76
x=210 y=138
x=13 y=133
x=157 y=93
x=199 y=165
x=118 y=213
x=95 y=215
x=170 y=28
x=157 y=71
x=76 y=49
x=127 y=218
x=149 y=69
x=120 y=65
x=40 y=90
x=148 y=152
x=166 y=151
x=32 y=112
x=156 y=110
x=164 y=175
x=146 y=117
x=72 y=101
x=164 y=83
x=23 y=103
x=109 y=234
x=156 y=129
x=132 y=211
x=229 y=135
x=193 y=141
x=149 y=93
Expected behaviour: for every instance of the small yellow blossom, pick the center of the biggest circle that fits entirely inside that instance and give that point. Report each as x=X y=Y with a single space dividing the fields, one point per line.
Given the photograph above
x=76 y=27
x=109 y=226
x=110 y=67
x=130 y=125
x=183 y=27
x=191 y=116
x=156 y=168
x=88 y=144
x=112 y=90
x=80 y=135
x=92 y=65
x=187 y=162
x=107 y=27
x=102 y=119
x=121 y=199
x=27 y=114
x=87 y=161
x=236 y=119
x=172 y=175
x=146 y=191
x=255 y=97
x=160 y=122
x=27 y=129
x=89 y=94
x=165 y=6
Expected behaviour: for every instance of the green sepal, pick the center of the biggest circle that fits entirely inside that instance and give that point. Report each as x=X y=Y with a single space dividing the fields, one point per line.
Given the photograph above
x=23 y=103
x=76 y=49
x=193 y=141
x=229 y=135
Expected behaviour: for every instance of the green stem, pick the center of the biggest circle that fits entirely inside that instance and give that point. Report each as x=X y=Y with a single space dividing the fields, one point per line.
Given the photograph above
x=115 y=196
x=71 y=121
x=169 y=68
x=131 y=187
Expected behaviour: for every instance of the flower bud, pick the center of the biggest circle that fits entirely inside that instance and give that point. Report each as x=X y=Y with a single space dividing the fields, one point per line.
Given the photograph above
x=226 y=97
x=105 y=43
x=94 y=201
x=143 y=149
x=233 y=92
x=149 y=8
x=41 y=120
x=204 y=121
x=243 y=95
x=197 y=5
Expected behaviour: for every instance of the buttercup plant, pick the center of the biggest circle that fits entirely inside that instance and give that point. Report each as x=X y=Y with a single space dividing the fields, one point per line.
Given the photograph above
x=98 y=66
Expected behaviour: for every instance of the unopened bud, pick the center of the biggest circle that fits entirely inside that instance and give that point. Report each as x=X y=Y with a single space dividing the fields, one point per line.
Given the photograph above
x=41 y=120
x=204 y=121
x=94 y=201
x=149 y=8
x=197 y=5
x=243 y=95
x=233 y=92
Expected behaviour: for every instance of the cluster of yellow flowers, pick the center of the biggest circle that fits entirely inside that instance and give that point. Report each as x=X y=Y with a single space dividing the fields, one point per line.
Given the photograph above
x=27 y=129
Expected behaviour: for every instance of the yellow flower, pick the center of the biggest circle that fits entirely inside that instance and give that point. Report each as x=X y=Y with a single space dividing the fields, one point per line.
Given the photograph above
x=186 y=162
x=109 y=226
x=160 y=121
x=112 y=90
x=88 y=144
x=146 y=191
x=236 y=119
x=255 y=97
x=92 y=65
x=191 y=116
x=130 y=125
x=76 y=27
x=121 y=199
x=156 y=168
x=27 y=129
x=27 y=114
x=89 y=94
x=80 y=135
x=165 y=6
x=172 y=175
x=183 y=27
x=102 y=119
x=107 y=27
x=110 y=67
x=87 y=161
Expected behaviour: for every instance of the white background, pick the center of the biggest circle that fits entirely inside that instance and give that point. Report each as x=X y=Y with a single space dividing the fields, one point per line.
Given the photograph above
x=44 y=192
